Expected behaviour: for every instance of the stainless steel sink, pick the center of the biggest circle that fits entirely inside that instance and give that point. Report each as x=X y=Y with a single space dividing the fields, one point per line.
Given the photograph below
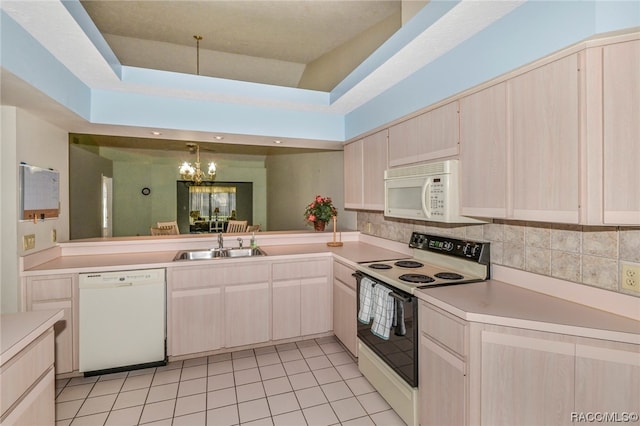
x=244 y=252
x=218 y=253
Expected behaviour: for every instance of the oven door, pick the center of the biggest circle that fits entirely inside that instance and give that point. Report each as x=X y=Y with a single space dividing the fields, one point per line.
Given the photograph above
x=400 y=352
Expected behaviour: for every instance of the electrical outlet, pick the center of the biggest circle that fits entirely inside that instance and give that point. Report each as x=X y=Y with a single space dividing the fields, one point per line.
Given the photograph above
x=29 y=242
x=631 y=276
x=54 y=236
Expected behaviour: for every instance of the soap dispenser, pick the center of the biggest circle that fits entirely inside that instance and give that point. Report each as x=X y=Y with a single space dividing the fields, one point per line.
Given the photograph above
x=254 y=243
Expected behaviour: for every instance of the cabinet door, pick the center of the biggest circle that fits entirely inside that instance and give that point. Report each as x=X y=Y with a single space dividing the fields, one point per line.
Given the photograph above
x=344 y=315
x=607 y=378
x=526 y=378
x=374 y=154
x=286 y=309
x=429 y=136
x=353 y=175
x=483 y=153
x=247 y=310
x=196 y=321
x=63 y=331
x=621 y=130
x=56 y=292
x=545 y=142
x=443 y=386
x=316 y=314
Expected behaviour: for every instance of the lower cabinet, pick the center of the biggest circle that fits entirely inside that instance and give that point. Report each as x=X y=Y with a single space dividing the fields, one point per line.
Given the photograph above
x=246 y=312
x=196 y=323
x=213 y=306
x=345 y=308
x=473 y=373
x=301 y=294
x=443 y=380
x=527 y=377
x=27 y=382
x=54 y=292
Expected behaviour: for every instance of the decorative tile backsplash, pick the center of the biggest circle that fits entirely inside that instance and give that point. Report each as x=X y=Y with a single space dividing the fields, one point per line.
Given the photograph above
x=589 y=255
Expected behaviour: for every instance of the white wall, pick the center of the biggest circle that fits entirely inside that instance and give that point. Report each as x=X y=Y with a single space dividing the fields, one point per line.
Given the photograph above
x=28 y=139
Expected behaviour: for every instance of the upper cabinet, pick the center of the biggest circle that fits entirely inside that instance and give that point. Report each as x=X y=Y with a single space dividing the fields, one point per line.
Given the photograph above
x=621 y=132
x=429 y=136
x=520 y=145
x=365 y=161
x=557 y=140
x=545 y=142
x=483 y=153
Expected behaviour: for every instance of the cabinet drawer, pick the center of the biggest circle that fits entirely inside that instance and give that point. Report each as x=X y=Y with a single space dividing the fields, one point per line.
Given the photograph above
x=343 y=273
x=50 y=289
x=23 y=370
x=245 y=274
x=302 y=269
x=443 y=327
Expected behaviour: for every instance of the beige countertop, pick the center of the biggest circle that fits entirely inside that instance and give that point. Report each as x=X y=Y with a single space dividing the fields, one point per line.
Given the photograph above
x=351 y=252
x=19 y=329
x=496 y=302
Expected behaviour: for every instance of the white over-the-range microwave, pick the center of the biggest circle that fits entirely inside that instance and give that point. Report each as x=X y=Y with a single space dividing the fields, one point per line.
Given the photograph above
x=427 y=192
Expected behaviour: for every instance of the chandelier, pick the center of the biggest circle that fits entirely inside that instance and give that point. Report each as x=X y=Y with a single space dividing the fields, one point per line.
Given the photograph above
x=193 y=172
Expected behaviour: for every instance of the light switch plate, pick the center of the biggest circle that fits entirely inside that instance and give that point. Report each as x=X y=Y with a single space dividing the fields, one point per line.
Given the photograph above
x=29 y=242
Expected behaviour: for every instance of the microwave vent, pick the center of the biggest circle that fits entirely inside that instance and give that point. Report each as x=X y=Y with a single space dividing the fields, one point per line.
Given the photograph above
x=438 y=168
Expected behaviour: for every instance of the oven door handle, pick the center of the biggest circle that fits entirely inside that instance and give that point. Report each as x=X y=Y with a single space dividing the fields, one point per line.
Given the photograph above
x=398 y=297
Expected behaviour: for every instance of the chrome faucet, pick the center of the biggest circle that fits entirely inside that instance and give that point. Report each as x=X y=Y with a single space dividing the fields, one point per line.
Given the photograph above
x=240 y=242
x=220 y=240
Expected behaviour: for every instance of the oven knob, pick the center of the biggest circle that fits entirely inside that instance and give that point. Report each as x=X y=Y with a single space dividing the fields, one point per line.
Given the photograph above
x=471 y=250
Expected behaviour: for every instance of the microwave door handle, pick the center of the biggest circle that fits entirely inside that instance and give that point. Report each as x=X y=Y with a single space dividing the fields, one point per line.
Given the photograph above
x=425 y=191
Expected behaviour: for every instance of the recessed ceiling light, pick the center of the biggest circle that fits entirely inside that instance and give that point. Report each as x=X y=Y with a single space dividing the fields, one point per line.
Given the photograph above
x=218 y=138
x=277 y=141
x=156 y=133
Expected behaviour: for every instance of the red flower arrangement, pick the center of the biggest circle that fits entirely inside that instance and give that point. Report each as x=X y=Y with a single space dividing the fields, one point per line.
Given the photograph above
x=320 y=209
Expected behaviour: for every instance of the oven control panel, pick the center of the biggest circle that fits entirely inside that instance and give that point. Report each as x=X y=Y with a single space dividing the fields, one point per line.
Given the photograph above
x=471 y=250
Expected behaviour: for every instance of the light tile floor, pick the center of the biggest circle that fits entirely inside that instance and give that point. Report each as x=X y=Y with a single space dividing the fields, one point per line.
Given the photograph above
x=310 y=382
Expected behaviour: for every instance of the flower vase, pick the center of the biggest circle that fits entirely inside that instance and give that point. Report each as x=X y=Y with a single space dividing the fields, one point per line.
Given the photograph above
x=319 y=225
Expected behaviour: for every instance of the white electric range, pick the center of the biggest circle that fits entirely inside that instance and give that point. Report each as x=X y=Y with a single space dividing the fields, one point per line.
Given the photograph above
x=390 y=363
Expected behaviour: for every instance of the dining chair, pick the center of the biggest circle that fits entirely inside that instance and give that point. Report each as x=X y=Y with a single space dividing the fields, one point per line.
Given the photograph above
x=171 y=227
x=165 y=230
x=237 y=226
x=253 y=228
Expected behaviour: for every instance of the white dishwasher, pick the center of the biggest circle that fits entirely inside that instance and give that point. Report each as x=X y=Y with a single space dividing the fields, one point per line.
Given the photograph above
x=122 y=322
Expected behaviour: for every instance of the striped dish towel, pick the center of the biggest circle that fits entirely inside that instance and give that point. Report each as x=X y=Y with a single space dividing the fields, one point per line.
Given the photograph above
x=366 y=300
x=384 y=313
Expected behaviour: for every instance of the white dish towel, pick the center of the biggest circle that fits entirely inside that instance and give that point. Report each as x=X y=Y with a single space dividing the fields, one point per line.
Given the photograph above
x=366 y=300
x=384 y=312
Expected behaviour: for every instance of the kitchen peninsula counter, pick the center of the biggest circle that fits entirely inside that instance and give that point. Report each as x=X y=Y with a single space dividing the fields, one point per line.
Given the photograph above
x=91 y=256
x=500 y=303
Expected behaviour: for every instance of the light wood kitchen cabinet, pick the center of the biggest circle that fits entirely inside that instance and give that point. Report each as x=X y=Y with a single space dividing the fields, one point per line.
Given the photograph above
x=246 y=309
x=247 y=306
x=428 y=136
x=365 y=161
x=526 y=377
x=480 y=373
x=545 y=141
x=483 y=153
x=621 y=132
x=345 y=309
x=27 y=378
x=442 y=365
x=309 y=293
x=54 y=292
x=607 y=377
x=196 y=310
